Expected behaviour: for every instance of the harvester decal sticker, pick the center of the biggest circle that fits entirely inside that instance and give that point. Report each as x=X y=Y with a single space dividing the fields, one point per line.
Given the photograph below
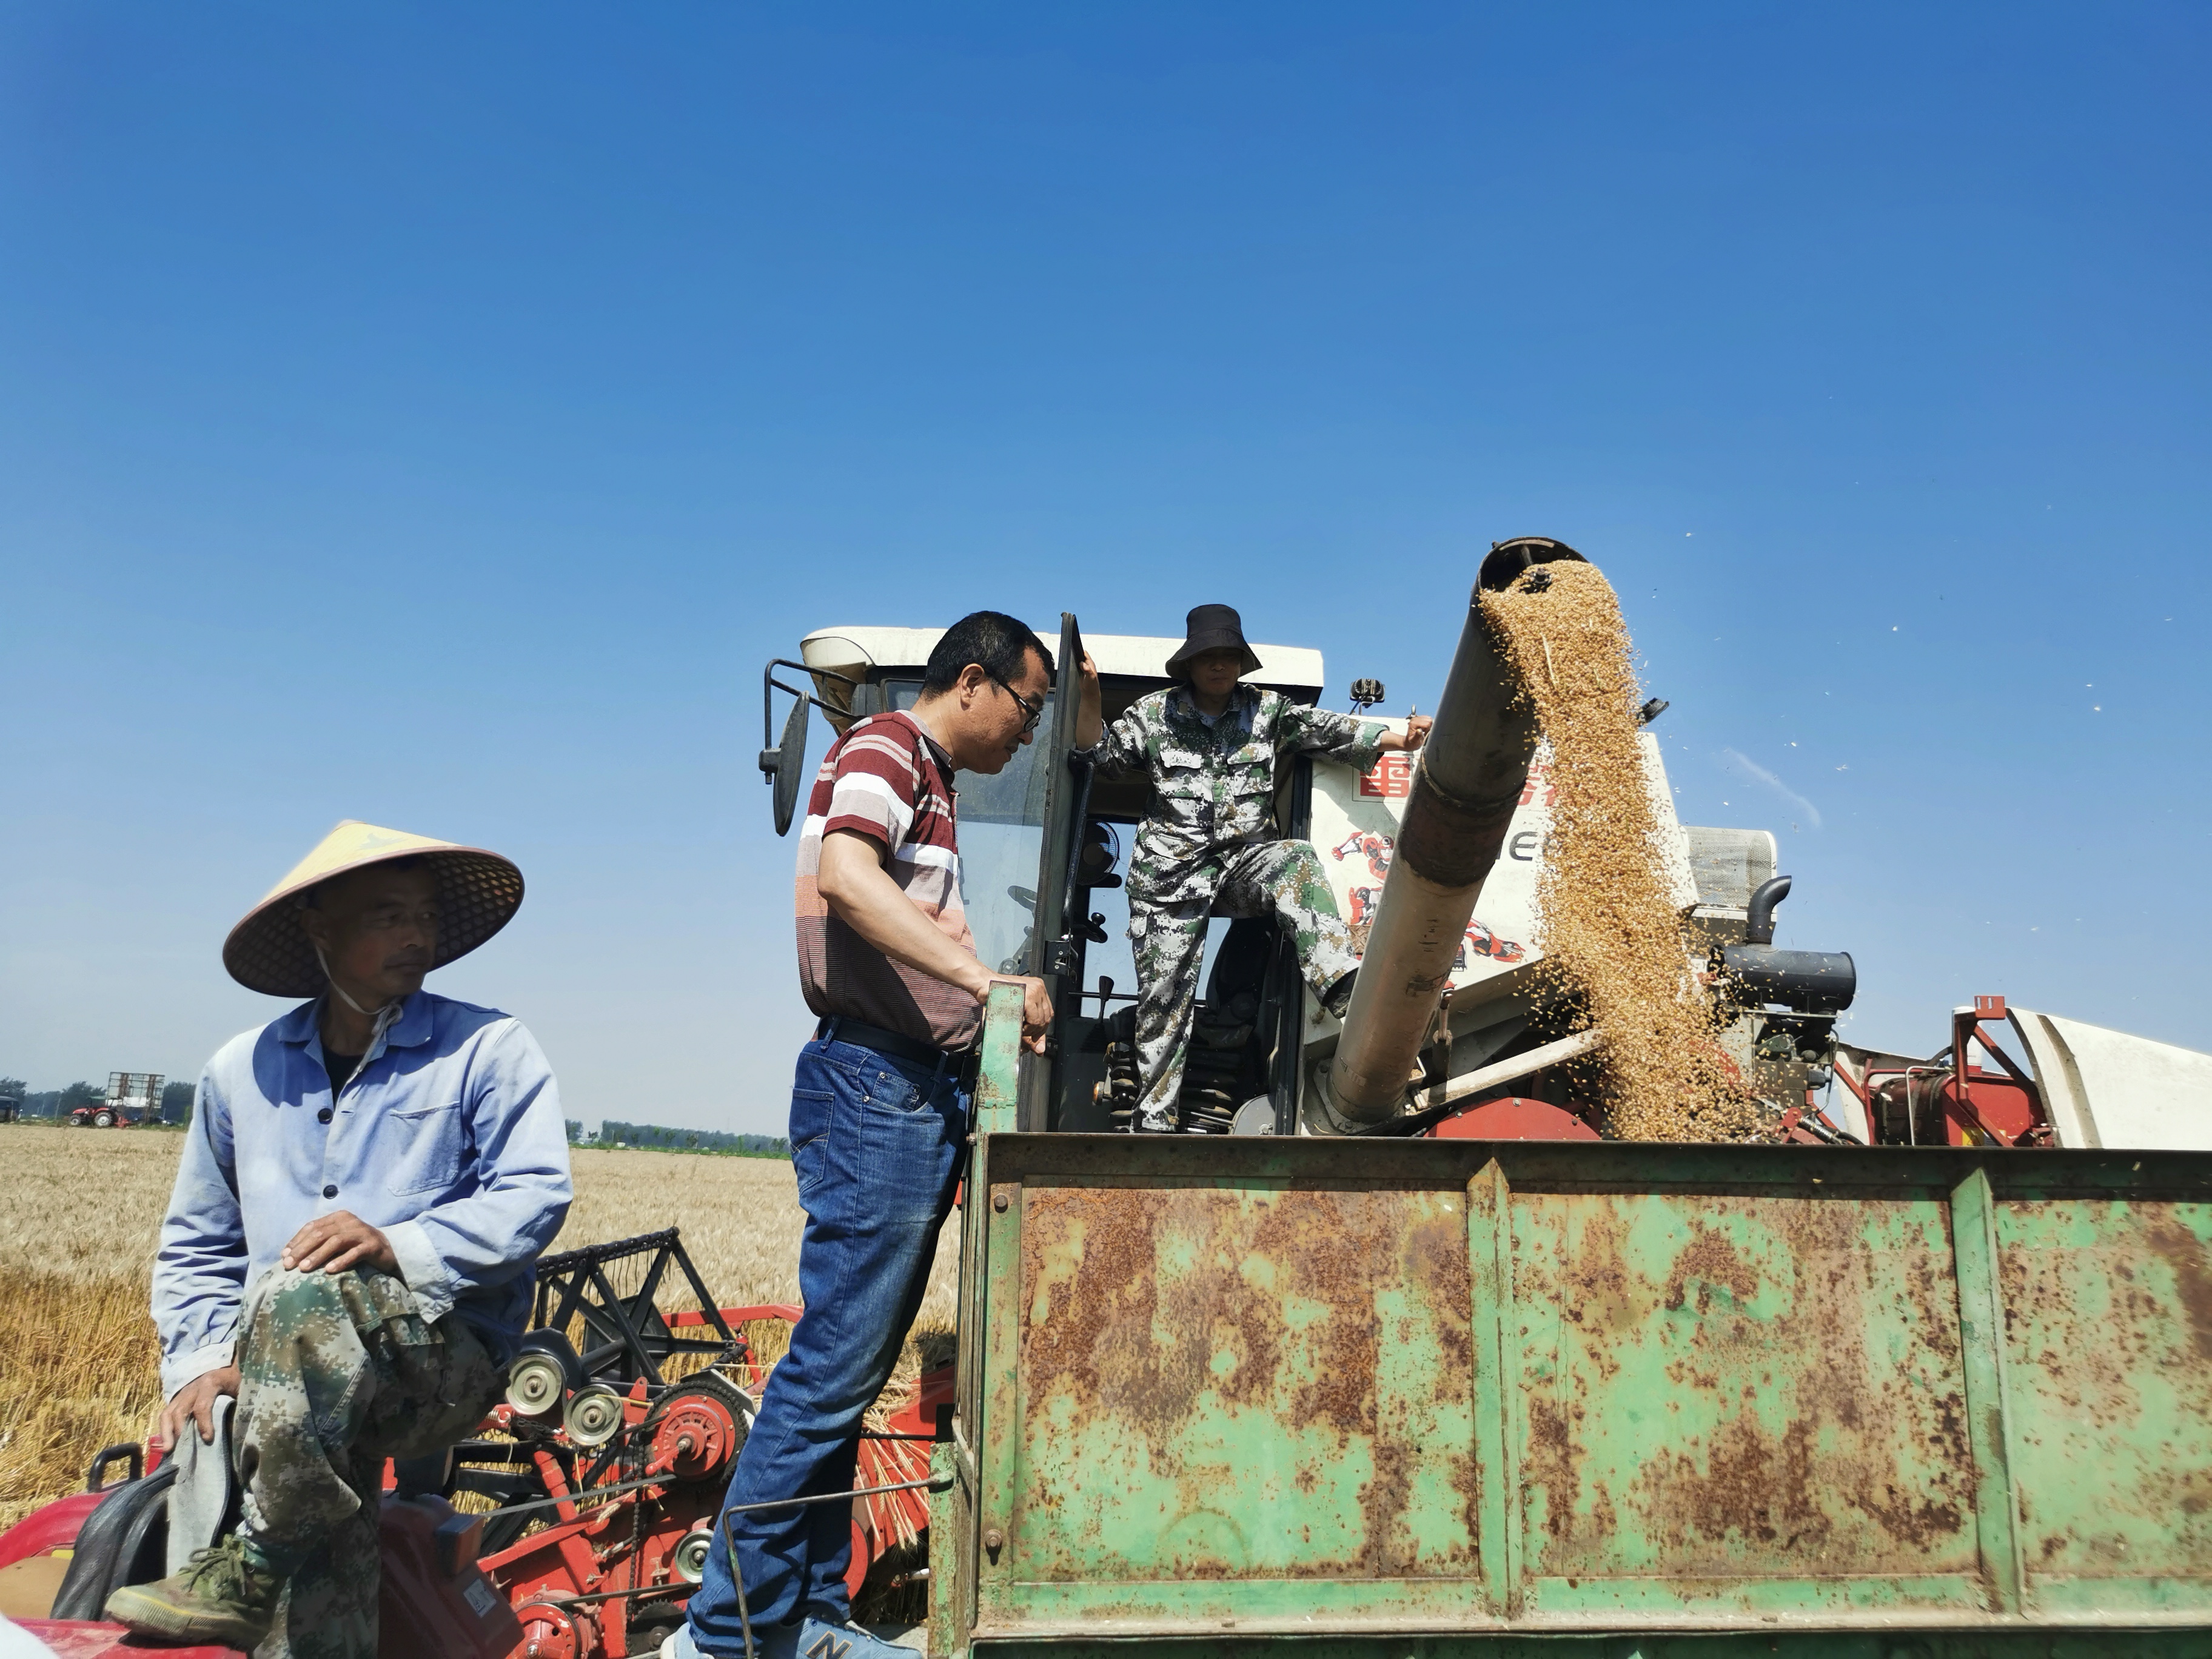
x=1364 y=900
x=1390 y=778
x=1540 y=777
x=1484 y=942
x=1376 y=849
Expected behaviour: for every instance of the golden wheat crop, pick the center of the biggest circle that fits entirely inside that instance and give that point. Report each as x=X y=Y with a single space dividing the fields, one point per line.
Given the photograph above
x=81 y=1215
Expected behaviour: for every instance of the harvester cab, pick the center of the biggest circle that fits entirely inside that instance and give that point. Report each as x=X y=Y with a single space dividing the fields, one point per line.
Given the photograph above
x=1042 y=844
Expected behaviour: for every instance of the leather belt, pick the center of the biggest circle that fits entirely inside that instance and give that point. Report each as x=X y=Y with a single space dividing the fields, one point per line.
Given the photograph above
x=840 y=1028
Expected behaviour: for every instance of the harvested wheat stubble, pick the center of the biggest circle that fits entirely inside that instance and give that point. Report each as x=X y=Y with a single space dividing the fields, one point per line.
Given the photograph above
x=1609 y=929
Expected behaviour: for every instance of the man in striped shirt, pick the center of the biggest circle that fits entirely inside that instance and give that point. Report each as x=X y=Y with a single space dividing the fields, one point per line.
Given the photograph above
x=878 y=1120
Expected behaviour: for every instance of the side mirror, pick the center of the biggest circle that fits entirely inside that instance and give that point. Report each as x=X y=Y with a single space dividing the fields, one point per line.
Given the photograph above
x=782 y=765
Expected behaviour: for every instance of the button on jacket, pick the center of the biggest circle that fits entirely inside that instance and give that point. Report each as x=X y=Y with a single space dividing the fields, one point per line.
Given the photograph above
x=1213 y=786
x=449 y=1138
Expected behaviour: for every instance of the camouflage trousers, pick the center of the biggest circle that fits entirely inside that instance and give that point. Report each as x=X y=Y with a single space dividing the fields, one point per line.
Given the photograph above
x=1282 y=879
x=338 y=1372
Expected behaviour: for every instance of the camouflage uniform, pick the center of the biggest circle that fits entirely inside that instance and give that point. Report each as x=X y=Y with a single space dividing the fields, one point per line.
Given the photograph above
x=1209 y=848
x=338 y=1372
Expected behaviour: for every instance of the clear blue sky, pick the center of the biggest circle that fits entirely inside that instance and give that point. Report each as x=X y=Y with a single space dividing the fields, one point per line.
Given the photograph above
x=434 y=415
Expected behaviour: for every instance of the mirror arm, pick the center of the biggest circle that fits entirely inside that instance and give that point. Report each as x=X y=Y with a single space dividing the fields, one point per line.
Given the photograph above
x=769 y=683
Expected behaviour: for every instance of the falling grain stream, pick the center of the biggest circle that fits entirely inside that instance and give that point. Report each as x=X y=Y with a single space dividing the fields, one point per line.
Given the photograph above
x=1611 y=934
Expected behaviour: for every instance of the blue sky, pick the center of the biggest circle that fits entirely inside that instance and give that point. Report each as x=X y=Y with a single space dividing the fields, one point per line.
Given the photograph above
x=435 y=414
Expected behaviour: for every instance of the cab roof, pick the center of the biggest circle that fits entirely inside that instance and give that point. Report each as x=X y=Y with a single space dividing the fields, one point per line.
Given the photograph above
x=1287 y=668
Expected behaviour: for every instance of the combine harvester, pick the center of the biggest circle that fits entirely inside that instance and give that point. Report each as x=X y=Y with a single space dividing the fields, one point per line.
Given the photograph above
x=1392 y=1355
x=1333 y=1388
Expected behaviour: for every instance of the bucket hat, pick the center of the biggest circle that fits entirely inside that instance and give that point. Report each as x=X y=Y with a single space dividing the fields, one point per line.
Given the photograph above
x=478 y=893
x=1210 y=628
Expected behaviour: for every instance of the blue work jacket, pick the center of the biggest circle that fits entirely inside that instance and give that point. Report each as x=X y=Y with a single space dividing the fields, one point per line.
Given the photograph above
x=449 y=1138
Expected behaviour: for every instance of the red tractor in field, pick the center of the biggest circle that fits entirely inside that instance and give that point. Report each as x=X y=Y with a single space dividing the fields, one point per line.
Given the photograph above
x=575 y=1523
x=132 y=1097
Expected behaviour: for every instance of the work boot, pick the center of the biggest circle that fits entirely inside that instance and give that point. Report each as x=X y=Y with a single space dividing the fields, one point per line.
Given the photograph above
x=223 y=1596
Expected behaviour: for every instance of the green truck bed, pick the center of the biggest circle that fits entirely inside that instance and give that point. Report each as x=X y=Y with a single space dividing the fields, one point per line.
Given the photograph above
x=1220 y=1396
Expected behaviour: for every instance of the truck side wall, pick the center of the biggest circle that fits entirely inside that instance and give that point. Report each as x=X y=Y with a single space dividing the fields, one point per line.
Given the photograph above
x=1276 y=1387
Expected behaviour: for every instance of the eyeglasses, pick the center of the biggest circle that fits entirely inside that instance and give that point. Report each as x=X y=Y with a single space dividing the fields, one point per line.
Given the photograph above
x=1032 y=712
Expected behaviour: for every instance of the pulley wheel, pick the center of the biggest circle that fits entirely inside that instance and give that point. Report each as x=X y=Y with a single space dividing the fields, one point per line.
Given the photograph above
x=593 y=1415
x=535 y=1383
x=1256 y=1116
x=688 y=1561
x=696 y=1429
x=550 y=1632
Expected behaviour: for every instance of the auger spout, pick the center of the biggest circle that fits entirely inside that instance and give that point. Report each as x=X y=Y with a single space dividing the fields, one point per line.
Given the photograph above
x=1469 y=781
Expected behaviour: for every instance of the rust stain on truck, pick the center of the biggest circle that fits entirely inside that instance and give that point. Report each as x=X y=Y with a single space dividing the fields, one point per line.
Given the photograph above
x=1164 y=1327
x=1708 y=1396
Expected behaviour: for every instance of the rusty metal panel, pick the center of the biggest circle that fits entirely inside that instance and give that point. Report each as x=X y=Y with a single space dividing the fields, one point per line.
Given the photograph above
x=1730 y=1399
x=1447 y=1395
x=1223 y=1382
x=2108 y=1363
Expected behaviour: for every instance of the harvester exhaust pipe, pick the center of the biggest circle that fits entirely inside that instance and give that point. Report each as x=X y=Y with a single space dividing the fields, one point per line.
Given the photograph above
x=1469 y=778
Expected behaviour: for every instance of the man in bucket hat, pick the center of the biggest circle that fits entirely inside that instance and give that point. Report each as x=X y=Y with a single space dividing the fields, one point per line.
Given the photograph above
x=1209 y=847
x=365 y=1186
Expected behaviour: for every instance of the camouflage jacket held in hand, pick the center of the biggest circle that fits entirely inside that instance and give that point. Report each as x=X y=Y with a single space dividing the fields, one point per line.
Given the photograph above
x=1214 y=787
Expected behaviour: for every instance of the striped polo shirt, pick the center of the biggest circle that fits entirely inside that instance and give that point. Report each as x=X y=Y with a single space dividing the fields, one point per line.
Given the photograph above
x=887 y=778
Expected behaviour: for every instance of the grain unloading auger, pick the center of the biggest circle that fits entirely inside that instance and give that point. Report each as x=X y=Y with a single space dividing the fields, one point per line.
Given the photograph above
x=1466 y=786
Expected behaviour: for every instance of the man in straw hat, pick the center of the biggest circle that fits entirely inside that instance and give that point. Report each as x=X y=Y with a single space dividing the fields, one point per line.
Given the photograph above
x=878 y=1126
x=1209 y=847
x=365 y=1187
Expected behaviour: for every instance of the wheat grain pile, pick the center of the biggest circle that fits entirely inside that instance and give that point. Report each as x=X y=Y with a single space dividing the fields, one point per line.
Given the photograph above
x=81 y=1216
x=1610 y=933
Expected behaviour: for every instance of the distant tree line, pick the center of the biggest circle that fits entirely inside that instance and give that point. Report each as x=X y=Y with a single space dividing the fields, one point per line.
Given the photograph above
x=654 y=1137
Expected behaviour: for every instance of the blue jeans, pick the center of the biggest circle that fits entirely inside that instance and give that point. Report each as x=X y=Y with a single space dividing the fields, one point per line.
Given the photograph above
x=877 y=1143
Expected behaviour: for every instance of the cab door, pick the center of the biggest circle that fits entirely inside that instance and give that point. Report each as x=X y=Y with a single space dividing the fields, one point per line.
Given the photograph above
x=1062 y=928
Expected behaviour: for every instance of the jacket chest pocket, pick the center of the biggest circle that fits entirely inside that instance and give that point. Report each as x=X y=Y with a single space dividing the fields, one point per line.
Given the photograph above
x=1184 y=775
x=427 y=1148
x=1250 y=787
x=1250 y=759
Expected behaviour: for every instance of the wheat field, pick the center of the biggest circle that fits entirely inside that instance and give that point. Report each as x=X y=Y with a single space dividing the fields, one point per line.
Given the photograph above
x=81 y=1215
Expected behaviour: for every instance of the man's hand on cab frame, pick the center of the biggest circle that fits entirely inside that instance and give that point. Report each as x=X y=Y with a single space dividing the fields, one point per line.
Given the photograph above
x=1415 y=734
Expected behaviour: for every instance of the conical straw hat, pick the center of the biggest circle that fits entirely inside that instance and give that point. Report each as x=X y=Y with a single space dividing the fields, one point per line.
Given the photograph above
x=478 y=893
